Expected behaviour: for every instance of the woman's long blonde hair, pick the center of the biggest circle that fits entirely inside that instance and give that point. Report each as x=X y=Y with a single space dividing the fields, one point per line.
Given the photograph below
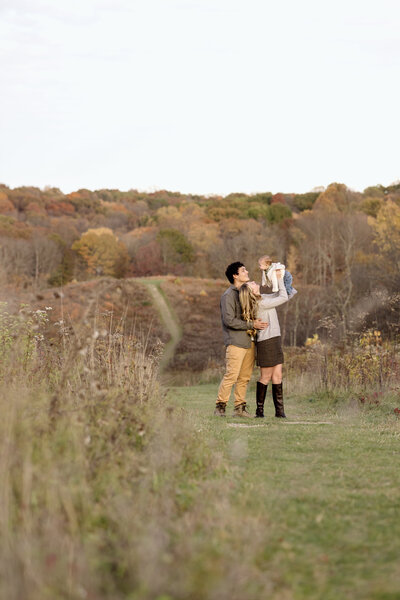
x=248 y=303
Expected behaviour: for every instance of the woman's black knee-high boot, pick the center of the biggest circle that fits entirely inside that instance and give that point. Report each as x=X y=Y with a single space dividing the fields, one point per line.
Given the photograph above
x=260 y=397
x=277 y=396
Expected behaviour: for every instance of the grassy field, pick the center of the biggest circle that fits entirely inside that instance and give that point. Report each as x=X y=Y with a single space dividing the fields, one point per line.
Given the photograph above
x=320 y=492
x=116 y=486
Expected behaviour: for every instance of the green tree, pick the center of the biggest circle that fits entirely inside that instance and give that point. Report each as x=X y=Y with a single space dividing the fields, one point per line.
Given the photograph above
x=258 y=211
x=305 y=201
x=278 y=212
x=377 y=191
x=175 y=247
x=371 y=205
x=66 y=269
x=264 y=198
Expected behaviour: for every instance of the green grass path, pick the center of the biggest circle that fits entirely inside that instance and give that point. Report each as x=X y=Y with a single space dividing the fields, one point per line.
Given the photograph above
x=325 y=485
x=167 y=316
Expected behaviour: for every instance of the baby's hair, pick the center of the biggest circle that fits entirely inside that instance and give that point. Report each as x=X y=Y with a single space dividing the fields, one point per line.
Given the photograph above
x=266 y=258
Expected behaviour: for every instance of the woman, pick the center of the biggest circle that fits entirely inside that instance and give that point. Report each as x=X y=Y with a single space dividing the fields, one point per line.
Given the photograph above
x=268 y=343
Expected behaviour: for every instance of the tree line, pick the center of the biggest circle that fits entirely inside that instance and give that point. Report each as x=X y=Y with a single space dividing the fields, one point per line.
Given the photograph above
x=342 y=246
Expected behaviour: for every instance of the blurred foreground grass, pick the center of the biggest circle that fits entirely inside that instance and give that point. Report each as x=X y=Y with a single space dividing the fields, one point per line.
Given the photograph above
x=112 y=487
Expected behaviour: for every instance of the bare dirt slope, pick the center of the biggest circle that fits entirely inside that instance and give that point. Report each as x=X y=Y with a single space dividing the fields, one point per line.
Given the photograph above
x=183 y=312
x=126 y=306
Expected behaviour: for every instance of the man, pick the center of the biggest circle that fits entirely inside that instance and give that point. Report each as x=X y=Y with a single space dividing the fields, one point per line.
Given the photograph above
x=240 y=349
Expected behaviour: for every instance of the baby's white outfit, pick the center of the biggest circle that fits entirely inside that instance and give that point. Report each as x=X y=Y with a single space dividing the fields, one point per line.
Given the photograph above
x=269 y=275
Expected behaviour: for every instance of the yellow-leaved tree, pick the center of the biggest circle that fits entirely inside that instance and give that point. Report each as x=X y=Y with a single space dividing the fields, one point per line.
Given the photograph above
x=102 y=253
x=387 y=232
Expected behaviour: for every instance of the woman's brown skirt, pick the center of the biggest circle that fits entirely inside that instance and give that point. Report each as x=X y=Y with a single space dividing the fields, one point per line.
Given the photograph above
x=269 y=352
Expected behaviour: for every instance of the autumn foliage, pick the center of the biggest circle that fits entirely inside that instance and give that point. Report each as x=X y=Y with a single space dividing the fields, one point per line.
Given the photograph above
x=101 y=253
x=342 y=246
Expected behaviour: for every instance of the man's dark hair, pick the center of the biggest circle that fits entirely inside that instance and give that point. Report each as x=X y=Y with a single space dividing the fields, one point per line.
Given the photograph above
x=233 y=269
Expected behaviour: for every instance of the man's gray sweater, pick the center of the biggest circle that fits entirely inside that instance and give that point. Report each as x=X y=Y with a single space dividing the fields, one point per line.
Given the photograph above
x=233 y=327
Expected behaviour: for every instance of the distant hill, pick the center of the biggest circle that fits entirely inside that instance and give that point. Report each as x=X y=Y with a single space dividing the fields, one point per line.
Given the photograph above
x=122 y=306
x=126 y=306
x=342 y=246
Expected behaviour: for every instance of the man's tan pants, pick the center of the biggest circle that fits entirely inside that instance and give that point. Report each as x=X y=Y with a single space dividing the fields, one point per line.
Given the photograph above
x=239 y=367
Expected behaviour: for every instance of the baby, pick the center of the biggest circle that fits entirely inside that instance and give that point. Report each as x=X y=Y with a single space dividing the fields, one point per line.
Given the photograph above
x=269 y=278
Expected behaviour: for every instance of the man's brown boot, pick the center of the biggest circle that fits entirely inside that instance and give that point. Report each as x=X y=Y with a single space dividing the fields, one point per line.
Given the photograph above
x=240 y=411
x=220 y=409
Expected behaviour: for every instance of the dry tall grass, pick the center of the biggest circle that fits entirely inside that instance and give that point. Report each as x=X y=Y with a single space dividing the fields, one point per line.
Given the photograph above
x=364 y=366
x=107 y=492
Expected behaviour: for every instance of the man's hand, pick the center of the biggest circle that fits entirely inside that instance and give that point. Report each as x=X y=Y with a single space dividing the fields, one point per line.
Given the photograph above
x=258 y=324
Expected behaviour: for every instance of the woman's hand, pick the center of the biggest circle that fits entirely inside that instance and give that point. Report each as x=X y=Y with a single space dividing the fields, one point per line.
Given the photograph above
x=258 y=324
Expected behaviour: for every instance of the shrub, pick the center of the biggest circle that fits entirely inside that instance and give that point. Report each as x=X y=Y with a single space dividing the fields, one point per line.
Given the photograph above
x=367 y=363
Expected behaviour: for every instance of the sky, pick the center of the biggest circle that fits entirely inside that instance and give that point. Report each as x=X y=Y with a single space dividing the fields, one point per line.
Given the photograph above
x=199 y=96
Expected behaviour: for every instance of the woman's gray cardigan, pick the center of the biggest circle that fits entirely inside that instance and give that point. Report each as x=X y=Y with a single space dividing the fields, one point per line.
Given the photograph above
x=266 y=312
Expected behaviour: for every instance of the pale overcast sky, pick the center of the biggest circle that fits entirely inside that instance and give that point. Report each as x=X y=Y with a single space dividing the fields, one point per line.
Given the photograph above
x=200 y=96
